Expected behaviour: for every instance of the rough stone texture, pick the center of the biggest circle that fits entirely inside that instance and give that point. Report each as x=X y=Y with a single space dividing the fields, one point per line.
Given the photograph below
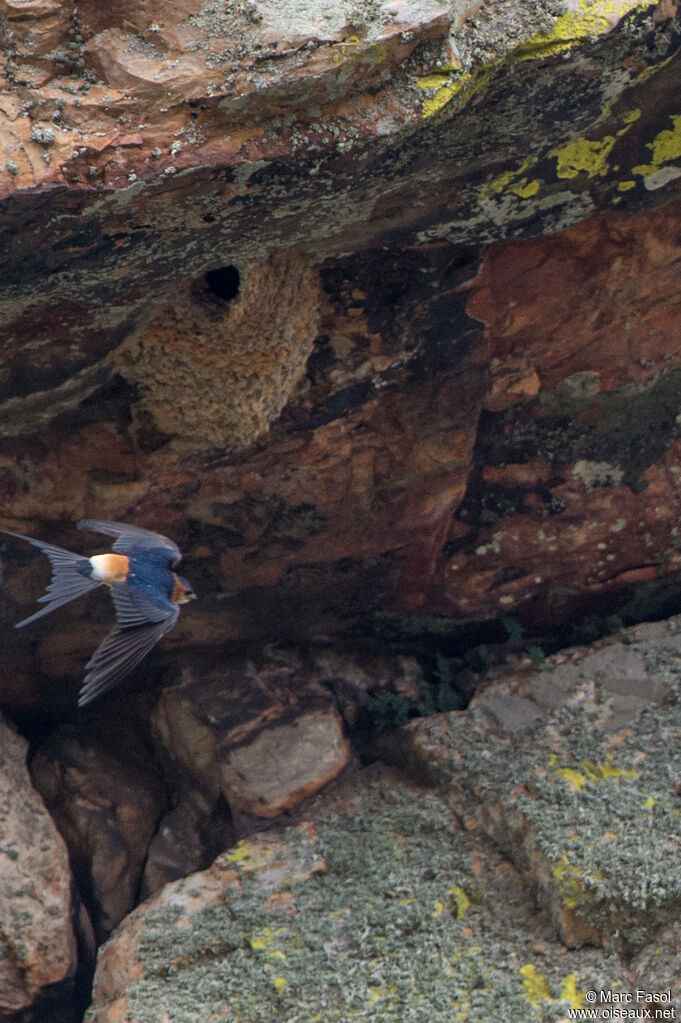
x=441 y=392
x=578 y=447
x=364 y=436
x=573 y=772
x=38 y=947
x=536 y=864
x=262 y=736
x=106 y=798
x=192 y=356
x=229 y=748
x=380 y=906
x=186 y=839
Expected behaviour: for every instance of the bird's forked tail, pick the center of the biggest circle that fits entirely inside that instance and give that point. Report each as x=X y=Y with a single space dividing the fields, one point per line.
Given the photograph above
x=70 y=577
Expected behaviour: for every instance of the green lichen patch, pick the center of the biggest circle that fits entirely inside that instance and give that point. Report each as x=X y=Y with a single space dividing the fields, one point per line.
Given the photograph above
x=611 y=839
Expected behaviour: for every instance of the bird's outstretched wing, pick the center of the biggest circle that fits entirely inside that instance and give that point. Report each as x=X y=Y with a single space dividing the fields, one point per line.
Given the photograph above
x=142 y=620
x=130 y=537
x=67 y=581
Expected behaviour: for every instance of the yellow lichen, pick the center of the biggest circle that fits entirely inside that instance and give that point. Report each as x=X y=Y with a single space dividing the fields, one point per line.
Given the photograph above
x=463 y=903
x=590 y=156
x=514 y=182
x=592 y=17
x=569 y=883
x=665 y=147
x=444 y=88
x=629 y=117
x=570 y=993
x=378 y=994
x=245 y=853
x=584 y=156
x=535 y=984
x=599 y=772
x=536 y=987
x=573 y=776
x=262 y=938
x=592 y=772
x=653 y=69
x=526 y=189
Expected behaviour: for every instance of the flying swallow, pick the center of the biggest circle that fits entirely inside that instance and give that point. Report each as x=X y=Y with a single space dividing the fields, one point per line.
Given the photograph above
x=145 y=590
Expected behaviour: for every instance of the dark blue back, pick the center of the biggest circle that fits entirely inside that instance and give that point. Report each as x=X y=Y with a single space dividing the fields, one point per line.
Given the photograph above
x=151 y=569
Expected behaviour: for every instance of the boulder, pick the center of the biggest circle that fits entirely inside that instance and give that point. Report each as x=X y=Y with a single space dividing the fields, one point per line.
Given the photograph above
x=38 y=956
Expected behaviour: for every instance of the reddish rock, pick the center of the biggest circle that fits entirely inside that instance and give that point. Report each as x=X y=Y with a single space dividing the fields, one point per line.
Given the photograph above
x=248 y=298
x=38 y=950
x=265 y=866
x=331 y=440
x=262 y=736
x=106 y=798
x=610 y=323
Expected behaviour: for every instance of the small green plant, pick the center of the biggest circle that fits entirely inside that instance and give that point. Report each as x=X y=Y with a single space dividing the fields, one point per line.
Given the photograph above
x=479 y=658
x=442 y=696
x=387 y=710
x=443 y=669
x=588 y=630
x=514 y=629
x=536 y=655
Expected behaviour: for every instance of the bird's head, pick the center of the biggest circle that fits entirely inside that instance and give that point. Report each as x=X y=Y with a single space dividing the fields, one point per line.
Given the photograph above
x=183 y=592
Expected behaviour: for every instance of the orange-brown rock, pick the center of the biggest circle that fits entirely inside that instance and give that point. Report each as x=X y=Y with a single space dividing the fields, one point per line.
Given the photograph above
x=266 y=867
x=250 y=301
x=372 y=307
x=38 y=949
x=263 y=737
x=573 y=477
x=106 y=798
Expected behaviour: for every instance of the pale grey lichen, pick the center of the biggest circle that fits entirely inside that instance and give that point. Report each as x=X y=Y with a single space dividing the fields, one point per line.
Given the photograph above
x=43 y=136
x=399 y=928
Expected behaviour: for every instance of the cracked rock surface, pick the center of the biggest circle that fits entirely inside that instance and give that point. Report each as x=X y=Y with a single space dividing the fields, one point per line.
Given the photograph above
x=522 y=855
x=373 y=307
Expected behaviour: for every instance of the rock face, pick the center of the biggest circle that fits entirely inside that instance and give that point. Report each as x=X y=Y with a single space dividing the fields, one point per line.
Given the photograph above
x=569 y=771
x=373 y=307
x=262 y=739
x=264 y=315
x=38 y=948
x=107 y=800
x=534 y=865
